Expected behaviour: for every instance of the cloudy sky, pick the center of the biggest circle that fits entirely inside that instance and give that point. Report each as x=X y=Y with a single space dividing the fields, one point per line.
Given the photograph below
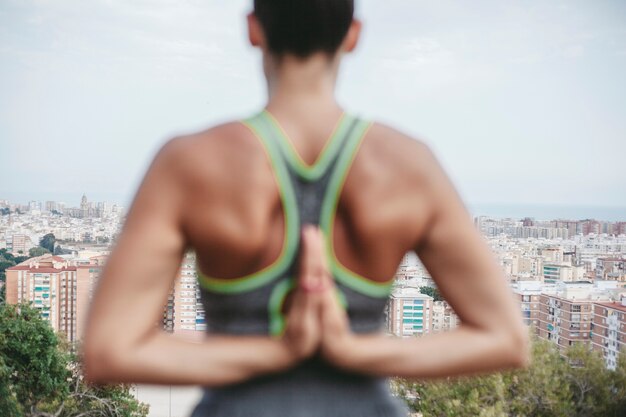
x=522 y=101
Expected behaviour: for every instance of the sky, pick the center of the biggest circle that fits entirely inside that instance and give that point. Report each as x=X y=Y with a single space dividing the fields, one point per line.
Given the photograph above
x=522 y=101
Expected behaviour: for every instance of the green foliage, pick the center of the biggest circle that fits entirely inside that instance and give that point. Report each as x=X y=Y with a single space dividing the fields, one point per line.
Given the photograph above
x=40 y=376
x=48 y=241
x=58 y=250
x=6 y=255
x=3 y=267
x=8 y=260
x=577 y=385
x=37 y=370
x=9 y=407
x=433 y=292
x=592 y=387
x=37 y=251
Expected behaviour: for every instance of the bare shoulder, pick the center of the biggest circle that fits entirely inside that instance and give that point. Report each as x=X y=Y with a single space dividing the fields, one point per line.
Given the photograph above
x=424 y=183
x=409 y=157
x=212 y=152
x=445 y=208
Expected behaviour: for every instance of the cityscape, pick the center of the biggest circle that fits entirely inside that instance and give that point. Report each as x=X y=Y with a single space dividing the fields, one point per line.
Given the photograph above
x=569 y=275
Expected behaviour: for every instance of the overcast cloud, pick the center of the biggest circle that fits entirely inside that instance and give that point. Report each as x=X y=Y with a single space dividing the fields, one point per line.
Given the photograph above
x=522 y=101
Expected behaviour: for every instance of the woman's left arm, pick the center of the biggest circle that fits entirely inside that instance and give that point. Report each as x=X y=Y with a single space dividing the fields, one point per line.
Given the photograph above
x=491 y=336
x=123 y=341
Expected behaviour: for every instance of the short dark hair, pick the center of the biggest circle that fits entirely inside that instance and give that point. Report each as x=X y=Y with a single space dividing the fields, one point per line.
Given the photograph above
x=302 y=27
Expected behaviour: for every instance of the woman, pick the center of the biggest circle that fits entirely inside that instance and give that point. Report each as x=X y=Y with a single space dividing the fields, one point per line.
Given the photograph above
x=285 y=337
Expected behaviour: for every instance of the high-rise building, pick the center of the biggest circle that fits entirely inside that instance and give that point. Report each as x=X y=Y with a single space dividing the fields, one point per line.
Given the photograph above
x=608 y=331
x=183 y=312
x=62 y=289
x=409 y=312
x=443 y=317
x=564 y=321
x=18 y=244
x=565 y=317
x=611 y=268
x=59 y=288
x=528 y=293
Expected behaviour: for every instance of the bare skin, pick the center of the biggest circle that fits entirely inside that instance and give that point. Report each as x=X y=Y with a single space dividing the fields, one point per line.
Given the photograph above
x=214 y=191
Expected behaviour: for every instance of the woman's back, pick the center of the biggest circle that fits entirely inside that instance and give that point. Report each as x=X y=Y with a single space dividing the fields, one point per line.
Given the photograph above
x=254 y=303
x=234 y=217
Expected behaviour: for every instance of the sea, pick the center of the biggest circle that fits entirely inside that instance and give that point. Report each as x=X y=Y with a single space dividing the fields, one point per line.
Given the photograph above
x=548 y=212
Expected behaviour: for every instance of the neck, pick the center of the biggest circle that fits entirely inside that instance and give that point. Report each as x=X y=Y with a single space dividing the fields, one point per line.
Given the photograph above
x=297 y=86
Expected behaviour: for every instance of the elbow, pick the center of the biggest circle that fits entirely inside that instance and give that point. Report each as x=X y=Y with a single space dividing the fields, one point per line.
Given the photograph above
x=101 y=363
x=519 y=348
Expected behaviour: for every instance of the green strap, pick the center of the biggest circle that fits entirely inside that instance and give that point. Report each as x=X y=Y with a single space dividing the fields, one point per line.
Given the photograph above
x=331 y=148
x=329 y=207
x=290 y=242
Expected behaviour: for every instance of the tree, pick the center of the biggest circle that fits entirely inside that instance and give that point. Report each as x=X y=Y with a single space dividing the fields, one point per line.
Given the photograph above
x=433 y=292
x=37 y=370
x=48 y=241
x=22 y=258
x=576 y=385
x=91 y=400
x=8 y=402
x=41 y=376
x=7 y=260
x=58 y=250
x=4 y=253
x=37 y=251
x=618 y=382
x=541 y=390
x=590 y=383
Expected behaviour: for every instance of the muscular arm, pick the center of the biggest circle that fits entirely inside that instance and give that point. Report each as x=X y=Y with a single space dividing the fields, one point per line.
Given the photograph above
x=122 y=340
x=491 y=335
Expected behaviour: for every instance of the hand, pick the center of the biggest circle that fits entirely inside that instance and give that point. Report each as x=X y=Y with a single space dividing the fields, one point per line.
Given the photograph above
x=302 y=335
x=318 y=286
x=316 y=319
x=337 y=340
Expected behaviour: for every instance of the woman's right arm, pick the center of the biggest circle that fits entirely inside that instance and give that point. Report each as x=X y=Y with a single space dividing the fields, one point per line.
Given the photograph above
x=123 y=342
x=491 y=335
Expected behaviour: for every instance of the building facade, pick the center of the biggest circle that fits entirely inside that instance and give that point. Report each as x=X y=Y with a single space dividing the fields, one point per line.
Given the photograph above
x=183 y=312
x=58 y=288
x=608 y=331
x=409 y=313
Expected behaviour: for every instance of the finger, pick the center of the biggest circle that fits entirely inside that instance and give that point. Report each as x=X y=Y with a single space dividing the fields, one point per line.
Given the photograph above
x=333 y=316
x=313 y=266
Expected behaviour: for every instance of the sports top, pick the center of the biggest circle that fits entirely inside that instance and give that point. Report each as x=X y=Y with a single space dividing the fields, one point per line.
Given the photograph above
x=253 y=304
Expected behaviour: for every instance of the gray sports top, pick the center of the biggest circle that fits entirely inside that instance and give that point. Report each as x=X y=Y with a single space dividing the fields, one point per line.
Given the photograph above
x=253 y=304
